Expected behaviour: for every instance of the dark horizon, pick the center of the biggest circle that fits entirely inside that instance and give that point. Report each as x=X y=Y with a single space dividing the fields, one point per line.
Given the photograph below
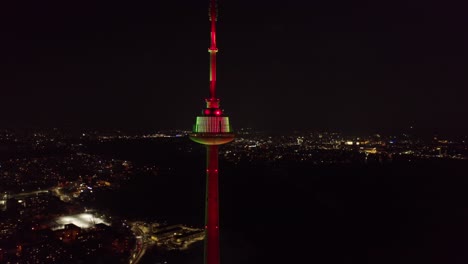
x=354 y=67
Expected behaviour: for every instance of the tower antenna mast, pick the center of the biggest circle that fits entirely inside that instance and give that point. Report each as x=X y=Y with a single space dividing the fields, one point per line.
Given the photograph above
x=213 y=15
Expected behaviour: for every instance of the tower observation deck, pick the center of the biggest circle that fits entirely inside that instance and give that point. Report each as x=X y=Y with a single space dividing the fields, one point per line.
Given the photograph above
x=212 y=129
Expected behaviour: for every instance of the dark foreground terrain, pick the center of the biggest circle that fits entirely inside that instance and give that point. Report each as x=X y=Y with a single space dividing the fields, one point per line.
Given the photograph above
x=293 y=212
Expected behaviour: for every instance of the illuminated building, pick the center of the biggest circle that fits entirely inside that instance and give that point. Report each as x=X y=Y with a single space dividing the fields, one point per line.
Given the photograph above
x=212 y=129
x=84 y=220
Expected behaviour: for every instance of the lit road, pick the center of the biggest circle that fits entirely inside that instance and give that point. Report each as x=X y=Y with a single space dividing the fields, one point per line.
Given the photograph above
x=141 y=246
x=26 y=194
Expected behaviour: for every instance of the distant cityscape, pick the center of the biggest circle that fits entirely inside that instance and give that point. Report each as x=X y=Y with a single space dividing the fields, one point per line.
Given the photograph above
x=50 y=180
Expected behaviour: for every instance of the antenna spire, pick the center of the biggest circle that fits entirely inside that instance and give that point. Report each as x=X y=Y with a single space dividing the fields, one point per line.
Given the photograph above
x=213 y=15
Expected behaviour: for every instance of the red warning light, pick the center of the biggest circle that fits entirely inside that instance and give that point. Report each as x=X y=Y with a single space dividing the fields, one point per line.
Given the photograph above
x=218 y=112
x=207 y=111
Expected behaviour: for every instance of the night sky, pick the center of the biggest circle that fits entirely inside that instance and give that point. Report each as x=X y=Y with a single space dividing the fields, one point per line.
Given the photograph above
x=351 y=66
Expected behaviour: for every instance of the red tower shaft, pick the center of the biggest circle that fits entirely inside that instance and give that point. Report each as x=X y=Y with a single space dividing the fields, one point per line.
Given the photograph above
x=212 y=206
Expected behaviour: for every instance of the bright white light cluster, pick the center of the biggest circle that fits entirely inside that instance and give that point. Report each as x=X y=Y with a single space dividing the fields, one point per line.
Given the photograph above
x=81 y=220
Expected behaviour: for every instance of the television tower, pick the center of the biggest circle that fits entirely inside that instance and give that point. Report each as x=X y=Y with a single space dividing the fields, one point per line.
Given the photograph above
x=212 y=129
